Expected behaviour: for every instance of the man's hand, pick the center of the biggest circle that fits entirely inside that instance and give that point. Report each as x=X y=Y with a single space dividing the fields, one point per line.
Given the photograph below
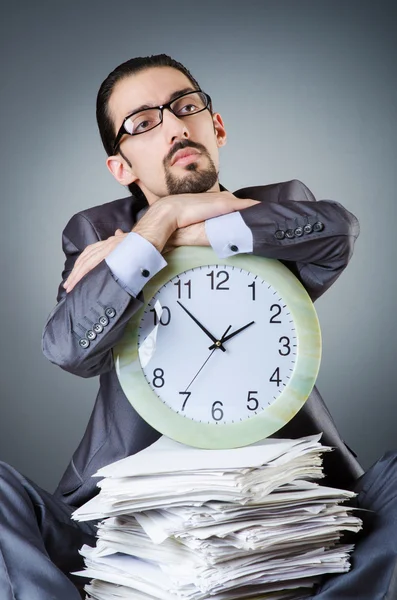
x=170 y=222
x=194 y=208
x=91 y=256
x=172 y=214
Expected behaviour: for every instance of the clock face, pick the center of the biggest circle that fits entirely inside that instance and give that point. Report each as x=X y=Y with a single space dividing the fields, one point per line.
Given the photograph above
x=196 y=378
x=223 y=353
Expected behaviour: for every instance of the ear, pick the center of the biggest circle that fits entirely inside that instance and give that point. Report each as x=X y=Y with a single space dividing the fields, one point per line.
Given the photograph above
x=120 y=170
x=220 y=130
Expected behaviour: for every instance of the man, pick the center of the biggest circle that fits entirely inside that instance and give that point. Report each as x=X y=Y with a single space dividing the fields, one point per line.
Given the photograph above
x=162 y=139
x=169 y=156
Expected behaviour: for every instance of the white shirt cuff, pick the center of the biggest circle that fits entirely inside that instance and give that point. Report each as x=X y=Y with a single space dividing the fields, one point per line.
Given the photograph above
x=134 y=262
x=229 y=235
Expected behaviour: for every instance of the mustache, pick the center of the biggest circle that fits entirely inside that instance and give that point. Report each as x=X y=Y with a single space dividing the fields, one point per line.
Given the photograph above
x=184 y=144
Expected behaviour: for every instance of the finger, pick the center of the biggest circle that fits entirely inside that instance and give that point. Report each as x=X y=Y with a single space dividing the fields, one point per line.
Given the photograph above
x=119 y=232
x=80 y=272
x=88 y=262
x=91 y=256
x=77 y=266
x=103 y=248
x=75 y=281
x=86 y=252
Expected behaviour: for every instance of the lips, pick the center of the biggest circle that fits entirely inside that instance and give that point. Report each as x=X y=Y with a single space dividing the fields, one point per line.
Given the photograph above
x=186 y=153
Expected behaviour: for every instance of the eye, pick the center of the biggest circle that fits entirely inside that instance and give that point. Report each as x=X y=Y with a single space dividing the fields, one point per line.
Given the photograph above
x=188 y=108
x=142 y=126
x=188 y=105
x=144 y=121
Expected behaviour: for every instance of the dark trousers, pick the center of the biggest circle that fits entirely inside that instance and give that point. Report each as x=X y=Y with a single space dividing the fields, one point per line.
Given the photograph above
x=39 y=542
x=373 y=575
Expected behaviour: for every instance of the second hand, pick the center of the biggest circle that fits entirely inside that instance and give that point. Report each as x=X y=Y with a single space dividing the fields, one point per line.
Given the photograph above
x=207 y=359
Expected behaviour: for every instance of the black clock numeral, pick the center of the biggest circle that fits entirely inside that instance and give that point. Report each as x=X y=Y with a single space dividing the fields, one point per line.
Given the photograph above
x=158 y=378
x=252 y=285
x=165 y=316
x=252 y=399
x=285 y=345
x=188 y=284
x=217 y=413
x=278 y=311
x=275 y=378
x=220 y=285
x=187 y=394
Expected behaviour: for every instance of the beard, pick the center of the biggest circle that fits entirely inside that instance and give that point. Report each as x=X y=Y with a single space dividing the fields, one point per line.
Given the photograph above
x=195 y=180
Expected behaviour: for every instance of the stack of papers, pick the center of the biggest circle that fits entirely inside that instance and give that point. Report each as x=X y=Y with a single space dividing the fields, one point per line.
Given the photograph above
x=190 y=524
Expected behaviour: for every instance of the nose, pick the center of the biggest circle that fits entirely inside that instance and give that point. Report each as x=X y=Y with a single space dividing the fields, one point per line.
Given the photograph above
x=174 y=127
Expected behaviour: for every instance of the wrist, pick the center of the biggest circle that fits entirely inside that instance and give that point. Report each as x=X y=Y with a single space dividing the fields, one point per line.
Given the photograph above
x=157 y=225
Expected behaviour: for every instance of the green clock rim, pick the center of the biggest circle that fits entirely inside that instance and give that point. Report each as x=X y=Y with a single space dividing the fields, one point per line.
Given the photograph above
x=208 y=435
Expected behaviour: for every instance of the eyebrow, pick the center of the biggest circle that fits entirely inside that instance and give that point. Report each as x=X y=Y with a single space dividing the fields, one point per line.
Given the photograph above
x=170 y=99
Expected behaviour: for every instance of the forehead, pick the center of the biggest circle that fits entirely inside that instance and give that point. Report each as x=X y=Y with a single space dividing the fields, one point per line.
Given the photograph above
x=153 y=86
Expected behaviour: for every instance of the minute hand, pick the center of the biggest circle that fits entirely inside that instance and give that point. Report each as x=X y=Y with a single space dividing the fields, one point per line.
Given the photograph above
x=217 y=343
x=228 y=337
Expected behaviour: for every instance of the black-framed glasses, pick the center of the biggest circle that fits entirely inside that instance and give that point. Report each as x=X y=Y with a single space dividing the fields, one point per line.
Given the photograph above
x=142 y=121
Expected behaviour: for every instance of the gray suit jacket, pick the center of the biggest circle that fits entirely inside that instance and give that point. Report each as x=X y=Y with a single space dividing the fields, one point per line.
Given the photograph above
x=314 y=239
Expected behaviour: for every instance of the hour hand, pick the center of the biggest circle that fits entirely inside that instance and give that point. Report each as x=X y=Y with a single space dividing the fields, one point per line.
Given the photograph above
x=217 y=343
x=228 y=337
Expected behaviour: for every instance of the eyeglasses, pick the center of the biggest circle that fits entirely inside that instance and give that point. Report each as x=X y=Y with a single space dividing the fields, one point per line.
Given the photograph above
x=142 y=121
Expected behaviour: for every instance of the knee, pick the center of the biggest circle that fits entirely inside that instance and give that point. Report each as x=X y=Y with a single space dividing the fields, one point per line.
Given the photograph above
x=389 y=456
x=387 y=464
x=5 y=468
x=8 y=474
x=14 y=494
x=378 y=487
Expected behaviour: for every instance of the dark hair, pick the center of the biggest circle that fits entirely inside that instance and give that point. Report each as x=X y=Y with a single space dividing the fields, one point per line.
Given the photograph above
x=130 y=67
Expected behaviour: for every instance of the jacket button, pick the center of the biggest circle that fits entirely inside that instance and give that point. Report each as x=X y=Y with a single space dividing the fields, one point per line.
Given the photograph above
x=318 y=226
x=91 y=335
x=290 y=234
x=97 y=328
x=308 y=228
x=104 y=320
x=84 y=343
x=280 y=234
x=110 y=312
x=298 y=231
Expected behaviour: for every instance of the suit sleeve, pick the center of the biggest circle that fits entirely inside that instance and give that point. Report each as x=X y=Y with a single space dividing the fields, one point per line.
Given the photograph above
x=88 y=321
x=314 y=240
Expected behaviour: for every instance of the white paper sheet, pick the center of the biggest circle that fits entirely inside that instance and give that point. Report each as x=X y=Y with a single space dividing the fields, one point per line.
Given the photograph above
x=167 y=455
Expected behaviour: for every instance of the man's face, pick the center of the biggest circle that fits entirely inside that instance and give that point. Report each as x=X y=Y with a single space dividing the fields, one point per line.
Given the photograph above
x=153 y=153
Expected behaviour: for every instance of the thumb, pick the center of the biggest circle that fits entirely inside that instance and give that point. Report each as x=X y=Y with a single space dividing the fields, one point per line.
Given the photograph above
x=119 y=232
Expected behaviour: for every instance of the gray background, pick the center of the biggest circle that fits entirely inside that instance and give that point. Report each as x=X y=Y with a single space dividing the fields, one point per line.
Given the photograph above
x=307 y=90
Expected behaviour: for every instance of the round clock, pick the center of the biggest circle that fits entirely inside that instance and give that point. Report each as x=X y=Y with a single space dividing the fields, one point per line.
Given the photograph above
x=224 y=352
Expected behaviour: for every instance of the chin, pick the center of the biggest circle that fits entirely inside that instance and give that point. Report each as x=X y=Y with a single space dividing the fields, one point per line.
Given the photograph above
x=192 y=167
x=193 y=181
